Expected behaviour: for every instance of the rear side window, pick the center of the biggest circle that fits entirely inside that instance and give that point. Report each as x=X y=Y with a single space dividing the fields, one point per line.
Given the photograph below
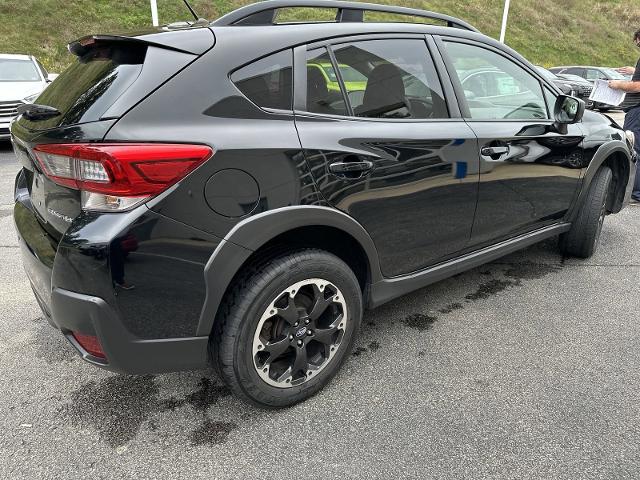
x=391 y=79
x=268 y=82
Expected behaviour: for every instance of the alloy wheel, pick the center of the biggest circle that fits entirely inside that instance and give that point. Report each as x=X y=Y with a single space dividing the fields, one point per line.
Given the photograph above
x=299 y=333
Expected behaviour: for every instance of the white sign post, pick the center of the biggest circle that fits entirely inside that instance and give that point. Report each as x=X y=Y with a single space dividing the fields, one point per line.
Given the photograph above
x=154 y=12
x=505 y=16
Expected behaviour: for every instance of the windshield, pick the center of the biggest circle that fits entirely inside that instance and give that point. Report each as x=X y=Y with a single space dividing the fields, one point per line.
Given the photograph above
x=611 y=73
x=546 y=73
x=12 y=70
x=575 y=78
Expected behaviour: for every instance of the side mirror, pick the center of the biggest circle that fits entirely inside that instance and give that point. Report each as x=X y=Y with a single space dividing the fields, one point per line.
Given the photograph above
x=567 y=110
x=469 y=94
x=51 y=77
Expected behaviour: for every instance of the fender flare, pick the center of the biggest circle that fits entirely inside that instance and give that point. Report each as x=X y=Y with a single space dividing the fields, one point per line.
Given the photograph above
x=602 y=154
x=252 y=233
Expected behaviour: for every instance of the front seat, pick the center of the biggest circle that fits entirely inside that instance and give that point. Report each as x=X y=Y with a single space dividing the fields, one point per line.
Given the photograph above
x=385 y=94
x=317 y=92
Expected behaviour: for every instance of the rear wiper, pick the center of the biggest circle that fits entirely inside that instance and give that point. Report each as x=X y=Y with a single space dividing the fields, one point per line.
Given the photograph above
x=33 y=111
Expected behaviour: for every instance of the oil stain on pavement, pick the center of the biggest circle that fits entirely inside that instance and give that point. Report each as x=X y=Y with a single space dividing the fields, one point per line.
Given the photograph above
x=212 y=433
x=373 y=346
x=515 y=274
x=419 y=321
x=117 y=406
x=207 y=395
x=490 y=288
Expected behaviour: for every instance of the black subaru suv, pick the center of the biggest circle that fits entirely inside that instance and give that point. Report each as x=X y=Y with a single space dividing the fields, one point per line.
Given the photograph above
x=206 y=195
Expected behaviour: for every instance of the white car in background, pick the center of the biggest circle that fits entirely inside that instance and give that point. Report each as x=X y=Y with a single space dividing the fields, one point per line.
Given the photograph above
x=22 y=79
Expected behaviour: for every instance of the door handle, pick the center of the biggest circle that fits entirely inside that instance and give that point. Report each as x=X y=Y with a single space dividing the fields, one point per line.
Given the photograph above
x=351 y=169
x=495 y=152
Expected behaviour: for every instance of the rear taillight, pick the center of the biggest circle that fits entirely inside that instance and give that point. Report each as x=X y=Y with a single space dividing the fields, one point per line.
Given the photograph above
x=115 y=177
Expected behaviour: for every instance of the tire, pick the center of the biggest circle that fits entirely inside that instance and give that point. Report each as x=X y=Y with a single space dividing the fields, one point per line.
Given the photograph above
x=248 y=339
x=582 y=240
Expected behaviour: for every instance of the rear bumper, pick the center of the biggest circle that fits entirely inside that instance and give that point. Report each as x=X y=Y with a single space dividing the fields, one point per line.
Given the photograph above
x=70 y=311
x=75 y=312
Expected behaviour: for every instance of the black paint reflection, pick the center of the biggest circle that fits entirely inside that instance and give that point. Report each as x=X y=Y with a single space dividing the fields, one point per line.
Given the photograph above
x=157 y=268
x=532 y=183
x=418 y=201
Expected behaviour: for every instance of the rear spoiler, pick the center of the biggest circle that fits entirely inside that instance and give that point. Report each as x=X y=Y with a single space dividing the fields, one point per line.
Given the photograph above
x=195 y=41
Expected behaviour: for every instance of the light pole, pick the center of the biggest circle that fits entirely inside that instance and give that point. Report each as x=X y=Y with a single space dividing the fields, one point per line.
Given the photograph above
x=154 y=12
x=505 y=16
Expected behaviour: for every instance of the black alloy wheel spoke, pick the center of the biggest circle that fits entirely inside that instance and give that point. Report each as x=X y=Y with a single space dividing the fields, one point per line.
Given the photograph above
x=284 y=375
x=276 y=348
x=320 y=304
x=325 y=335
x=301 y=363
x=290 y=312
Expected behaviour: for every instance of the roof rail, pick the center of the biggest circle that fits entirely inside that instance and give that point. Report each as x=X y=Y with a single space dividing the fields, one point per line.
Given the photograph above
x=264 y=13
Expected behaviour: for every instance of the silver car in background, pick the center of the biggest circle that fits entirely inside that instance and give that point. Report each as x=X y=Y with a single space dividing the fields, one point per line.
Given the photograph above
x=22 y=79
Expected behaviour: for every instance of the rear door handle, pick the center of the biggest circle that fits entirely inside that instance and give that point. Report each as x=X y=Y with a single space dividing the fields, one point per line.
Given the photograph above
x=351 y=169
x=494 y=152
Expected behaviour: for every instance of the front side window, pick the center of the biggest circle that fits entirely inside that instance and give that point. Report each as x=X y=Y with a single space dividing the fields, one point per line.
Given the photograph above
x=268 y=82
x=495 y=87
x=392 y=79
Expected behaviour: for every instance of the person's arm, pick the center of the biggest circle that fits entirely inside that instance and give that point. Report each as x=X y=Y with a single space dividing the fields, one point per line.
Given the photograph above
x=626 y=70
x=625 y=86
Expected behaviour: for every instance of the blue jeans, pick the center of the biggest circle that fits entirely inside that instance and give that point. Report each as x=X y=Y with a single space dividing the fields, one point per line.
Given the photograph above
x=632 y=123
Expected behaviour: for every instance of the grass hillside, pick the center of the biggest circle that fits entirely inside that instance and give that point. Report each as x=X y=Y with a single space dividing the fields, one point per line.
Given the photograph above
x=548 y=32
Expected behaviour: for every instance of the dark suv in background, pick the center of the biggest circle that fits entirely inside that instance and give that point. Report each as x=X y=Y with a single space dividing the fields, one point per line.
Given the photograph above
x=207 y=195
x=577 y=87
x=591 y=74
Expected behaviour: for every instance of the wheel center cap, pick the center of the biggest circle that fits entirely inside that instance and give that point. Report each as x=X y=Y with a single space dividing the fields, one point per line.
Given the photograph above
x=301 y=332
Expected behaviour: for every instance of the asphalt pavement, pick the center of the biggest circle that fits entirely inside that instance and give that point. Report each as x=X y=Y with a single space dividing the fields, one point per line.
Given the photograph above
x=526 y=368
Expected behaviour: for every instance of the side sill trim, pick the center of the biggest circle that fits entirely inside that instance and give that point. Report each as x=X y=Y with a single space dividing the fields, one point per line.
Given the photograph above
x=388 y=289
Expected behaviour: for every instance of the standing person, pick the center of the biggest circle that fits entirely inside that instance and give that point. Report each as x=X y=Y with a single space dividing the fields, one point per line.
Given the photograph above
x=632 y=117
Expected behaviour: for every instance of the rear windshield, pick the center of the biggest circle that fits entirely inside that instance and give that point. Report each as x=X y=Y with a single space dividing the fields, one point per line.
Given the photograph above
x=84 y=91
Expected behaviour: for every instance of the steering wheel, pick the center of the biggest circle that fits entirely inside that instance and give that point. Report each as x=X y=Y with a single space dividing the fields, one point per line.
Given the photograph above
x=527 y=106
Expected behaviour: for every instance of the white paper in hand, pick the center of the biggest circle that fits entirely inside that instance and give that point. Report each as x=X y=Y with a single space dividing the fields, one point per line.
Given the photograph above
x=602 y=93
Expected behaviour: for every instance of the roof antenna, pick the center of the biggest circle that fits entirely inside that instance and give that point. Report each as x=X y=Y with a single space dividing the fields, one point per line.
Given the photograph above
x=195 y=15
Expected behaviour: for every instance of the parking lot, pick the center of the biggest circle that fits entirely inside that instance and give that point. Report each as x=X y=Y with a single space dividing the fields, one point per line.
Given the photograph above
x=524 y=368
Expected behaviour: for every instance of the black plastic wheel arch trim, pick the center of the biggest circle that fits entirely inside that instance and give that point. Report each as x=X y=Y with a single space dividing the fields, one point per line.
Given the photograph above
x=256 y=231
x=605 y=152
